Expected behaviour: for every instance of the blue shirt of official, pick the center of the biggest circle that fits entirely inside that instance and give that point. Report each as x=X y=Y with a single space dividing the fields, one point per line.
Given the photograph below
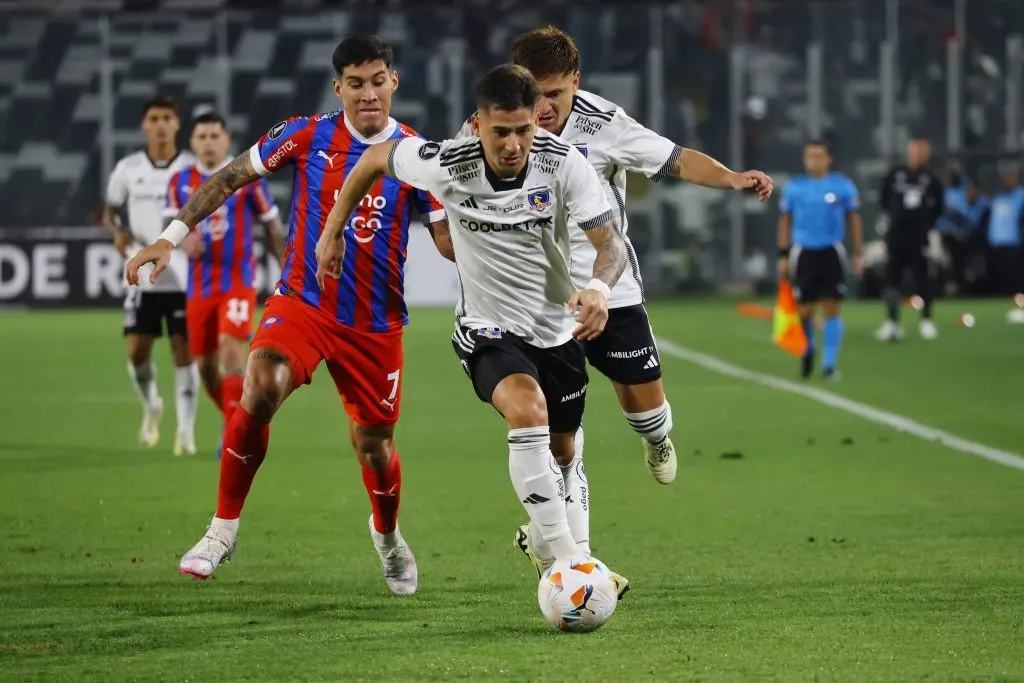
x=961 y=217
x=818 y=208
x=1007 y=218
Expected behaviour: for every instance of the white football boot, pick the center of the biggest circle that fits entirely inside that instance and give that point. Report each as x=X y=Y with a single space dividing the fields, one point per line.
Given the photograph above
x=185 y=444
x=212 y=550
x=522 y=543
x=397 y=561
x=149 y=432
x=889 y=332
x=928 y=330
x=661 y=460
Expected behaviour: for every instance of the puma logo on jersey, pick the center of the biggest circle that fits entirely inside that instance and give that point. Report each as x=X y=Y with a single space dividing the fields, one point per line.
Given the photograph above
x=330 y=158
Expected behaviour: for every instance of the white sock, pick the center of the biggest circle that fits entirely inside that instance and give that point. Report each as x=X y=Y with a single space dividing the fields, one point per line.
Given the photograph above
x=577 y=497
x=537 y=480
x=225 y=527
x=144 y=381
x=653 y=425
x=186 y=397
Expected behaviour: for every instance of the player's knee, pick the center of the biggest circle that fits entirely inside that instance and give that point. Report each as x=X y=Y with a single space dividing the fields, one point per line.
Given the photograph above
x=208 y=370
x=373 y=445
x=529 y=409
x=563 y=448
x=266 y=386
x=231 y=356
x=139 y=349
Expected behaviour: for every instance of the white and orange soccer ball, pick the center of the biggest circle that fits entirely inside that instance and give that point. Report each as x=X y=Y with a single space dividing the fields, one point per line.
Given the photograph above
x=577 y=594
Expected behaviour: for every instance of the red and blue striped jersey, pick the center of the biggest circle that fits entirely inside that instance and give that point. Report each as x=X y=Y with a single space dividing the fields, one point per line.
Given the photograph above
x=370 y=294
x=227 y=264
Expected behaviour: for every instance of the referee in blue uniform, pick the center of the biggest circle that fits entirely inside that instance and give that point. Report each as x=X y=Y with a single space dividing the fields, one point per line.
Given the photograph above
x=816 y=209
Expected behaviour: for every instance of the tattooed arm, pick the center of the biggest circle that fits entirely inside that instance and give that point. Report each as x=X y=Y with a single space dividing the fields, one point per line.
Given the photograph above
x=212 y=194
x=592 y=301
x=209 y=197
x=611 y=253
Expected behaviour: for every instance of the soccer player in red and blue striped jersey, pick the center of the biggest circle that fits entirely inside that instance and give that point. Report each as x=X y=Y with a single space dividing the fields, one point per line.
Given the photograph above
x=221 y=291
x=355 y=324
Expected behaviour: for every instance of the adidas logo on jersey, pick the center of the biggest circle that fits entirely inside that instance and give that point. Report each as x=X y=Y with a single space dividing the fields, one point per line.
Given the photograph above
x=651 y=363
x=470 y=203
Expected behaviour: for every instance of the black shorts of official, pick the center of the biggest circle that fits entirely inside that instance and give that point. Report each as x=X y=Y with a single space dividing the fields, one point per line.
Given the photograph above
x=818 y=274
x=146 y=312
x=490 y=355
x=626 y=352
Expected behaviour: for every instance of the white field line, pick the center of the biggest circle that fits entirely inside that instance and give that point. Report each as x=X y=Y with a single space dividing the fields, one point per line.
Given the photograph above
x=897 y=422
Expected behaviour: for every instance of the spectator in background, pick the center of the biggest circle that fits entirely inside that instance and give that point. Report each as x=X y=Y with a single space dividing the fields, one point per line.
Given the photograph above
x=1005 y=226
x=964 y=208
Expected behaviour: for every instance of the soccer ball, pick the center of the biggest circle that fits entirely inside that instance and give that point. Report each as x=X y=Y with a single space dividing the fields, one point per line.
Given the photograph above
x=577 y=594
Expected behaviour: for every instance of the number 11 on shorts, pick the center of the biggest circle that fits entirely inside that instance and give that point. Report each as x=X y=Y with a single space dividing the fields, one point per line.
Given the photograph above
x=389 y=402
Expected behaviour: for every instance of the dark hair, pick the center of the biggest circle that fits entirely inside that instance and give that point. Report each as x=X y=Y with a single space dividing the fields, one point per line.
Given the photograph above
x=819 y=142
x=546 y=52
x=360 y=49
x=507 y=87
x=209 y=117
x=159 y=101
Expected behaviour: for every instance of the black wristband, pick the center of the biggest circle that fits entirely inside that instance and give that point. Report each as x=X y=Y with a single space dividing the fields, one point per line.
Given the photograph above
x=784 y=252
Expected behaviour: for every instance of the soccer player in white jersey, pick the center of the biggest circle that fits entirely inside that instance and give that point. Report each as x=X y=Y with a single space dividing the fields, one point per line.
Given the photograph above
x=140 y=181
x=626 y=353
x=510 y=193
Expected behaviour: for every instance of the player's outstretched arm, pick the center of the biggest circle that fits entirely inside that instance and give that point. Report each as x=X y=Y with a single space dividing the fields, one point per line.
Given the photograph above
x=203 y=202
x=330 y=248
x=608 y=266
x=700 y=169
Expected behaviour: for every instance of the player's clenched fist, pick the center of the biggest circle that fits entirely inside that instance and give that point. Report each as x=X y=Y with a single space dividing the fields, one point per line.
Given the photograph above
x=754 y=181
x=593 y=313
x=330 y=250
x=158 y=253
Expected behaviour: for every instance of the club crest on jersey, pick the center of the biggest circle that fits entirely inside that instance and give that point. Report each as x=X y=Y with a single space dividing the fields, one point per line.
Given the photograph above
x=429 y=150
x=277 y=130
x=489 y=332
x=538 y=199
x=271 y=321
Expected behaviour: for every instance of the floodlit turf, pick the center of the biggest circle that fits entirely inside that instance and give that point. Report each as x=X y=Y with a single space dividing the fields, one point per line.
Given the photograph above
x=826 y=548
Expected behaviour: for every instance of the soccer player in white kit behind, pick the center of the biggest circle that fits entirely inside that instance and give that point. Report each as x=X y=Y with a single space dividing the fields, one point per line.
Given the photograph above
x=510 y=194
x=614 y=143
x=140 y=181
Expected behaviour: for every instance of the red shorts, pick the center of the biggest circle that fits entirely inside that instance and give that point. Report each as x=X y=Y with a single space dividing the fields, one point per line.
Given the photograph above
x=366 y=366
x=210 y=317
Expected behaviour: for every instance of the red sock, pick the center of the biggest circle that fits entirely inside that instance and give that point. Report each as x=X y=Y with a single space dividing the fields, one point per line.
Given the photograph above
x=385 y=489
x=231 y=395
x=215 y=394
x=245 y=446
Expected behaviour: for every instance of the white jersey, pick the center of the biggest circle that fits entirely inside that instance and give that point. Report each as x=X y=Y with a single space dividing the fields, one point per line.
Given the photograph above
x=613 y=143
x=511 y=237
x=142 y=184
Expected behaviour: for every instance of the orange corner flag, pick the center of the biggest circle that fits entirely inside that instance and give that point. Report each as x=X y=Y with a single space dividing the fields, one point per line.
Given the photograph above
x=789 y=331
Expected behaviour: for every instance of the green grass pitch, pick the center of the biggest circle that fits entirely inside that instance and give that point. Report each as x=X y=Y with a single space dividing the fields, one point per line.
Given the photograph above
x=833 y=549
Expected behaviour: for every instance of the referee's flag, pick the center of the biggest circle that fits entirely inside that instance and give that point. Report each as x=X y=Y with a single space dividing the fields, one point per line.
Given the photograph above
x=789 y=331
